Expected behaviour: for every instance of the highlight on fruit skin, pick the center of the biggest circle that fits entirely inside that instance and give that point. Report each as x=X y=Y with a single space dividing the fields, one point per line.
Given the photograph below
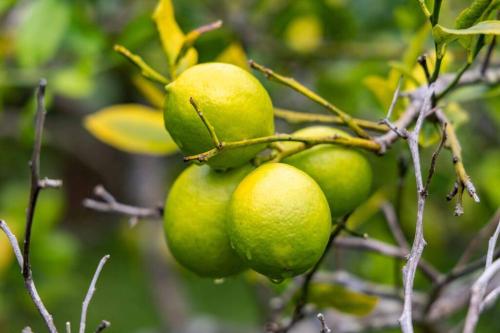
x=195 y=220
x=232 y=100
x=279 y=221
x=344 y=174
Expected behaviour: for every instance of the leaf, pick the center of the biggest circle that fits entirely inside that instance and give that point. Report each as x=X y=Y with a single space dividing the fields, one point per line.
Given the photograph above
x=472 y=14
x=325 y=295
x=172 y=37
x=132 y=128
x=153 y=95
x=234 y=54
x=40 y=33
x=381 y=88
x=445 y=35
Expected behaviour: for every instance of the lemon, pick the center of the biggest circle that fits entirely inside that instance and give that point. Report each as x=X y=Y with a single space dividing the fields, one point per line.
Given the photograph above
x=231 y=99
x=343 y=174
x=279 y=221
x=195 y=220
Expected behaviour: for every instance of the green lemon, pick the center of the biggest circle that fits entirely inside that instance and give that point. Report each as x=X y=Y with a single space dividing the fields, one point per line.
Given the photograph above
x=344 y=174
x=195 y=220
x=279 y=221
x=231 y=99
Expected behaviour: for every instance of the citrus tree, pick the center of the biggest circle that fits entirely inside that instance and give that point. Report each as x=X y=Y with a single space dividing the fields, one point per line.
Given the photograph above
x=272 y=205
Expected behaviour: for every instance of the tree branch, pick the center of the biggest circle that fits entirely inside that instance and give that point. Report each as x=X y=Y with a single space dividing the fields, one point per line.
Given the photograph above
x=108 y=204
x=290 y=82
x=90 y=293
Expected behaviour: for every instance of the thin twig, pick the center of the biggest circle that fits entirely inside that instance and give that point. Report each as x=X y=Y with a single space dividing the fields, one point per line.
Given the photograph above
x=210 y=128
x=108 y=204
x=297 y=117
x=331 y=139
x=146 y=70
x=292 y=83
x=90 y=293
x=322 y=321
x=487 y=58
x=357 y=243
x=435 y=155
x=394 y=226
x=478 y=289
x=193 y=36
x=422 y=61
x=102 y=326
x=478 y=239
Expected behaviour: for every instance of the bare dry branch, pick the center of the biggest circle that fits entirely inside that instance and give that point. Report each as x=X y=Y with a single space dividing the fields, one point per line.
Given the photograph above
x=478 y=289
x=324 y=327
x=409 y=269
x=102 y=326
x=108 y=204
x=90 y=293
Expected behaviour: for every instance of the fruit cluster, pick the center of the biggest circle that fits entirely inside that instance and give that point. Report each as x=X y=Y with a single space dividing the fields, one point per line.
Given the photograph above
x=228 y=216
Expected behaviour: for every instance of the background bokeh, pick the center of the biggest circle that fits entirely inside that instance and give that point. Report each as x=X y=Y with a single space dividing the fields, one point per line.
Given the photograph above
x=337 y=47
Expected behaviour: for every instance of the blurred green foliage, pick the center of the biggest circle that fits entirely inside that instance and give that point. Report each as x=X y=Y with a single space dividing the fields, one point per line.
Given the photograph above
x=333 y=46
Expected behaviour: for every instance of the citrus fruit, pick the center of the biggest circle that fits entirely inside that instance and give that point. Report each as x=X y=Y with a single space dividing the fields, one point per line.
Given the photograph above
x=343 y=174
x=279 y=221
x=231 y=99
x=195 y=220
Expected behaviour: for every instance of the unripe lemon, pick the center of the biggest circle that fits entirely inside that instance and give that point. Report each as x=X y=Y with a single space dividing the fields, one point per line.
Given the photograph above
x=279 y=221
x=344 y=174
x=231 y=99
x=195 y=220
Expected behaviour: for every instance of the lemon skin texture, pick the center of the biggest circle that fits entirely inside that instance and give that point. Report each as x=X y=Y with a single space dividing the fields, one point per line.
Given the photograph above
x=231 y=99
x=279 y=221
x=195 y=220
x=344 y=174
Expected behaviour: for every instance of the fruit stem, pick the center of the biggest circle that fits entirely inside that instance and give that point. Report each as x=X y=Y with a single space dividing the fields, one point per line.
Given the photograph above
x=295 y=85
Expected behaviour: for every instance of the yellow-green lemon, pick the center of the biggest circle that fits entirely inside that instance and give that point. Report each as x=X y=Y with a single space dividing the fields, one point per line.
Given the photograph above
x=195 y=220
x=231 y=99
x=344 y=174
x=279 y=221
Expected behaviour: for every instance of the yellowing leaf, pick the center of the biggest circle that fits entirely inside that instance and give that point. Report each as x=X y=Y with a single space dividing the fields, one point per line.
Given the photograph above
x=381 y=88
x=234 y=54
x=304 y=34
x=171 y=35
x=445 y=35
x=154 y=95
x=132 y=128
x=325 y=295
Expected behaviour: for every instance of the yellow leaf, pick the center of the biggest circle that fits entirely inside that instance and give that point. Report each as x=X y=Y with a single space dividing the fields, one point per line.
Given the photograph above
x=234 y=54
x=172 y=38
x=132 y=128
x=171 y=35
x=154 y=95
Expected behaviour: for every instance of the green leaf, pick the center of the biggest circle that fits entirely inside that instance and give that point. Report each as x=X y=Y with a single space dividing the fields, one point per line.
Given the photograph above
x=132 y=128
x=472 y=14
x=41 y=32
x=446 y=35
x=325 y=295
x=234 y=54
